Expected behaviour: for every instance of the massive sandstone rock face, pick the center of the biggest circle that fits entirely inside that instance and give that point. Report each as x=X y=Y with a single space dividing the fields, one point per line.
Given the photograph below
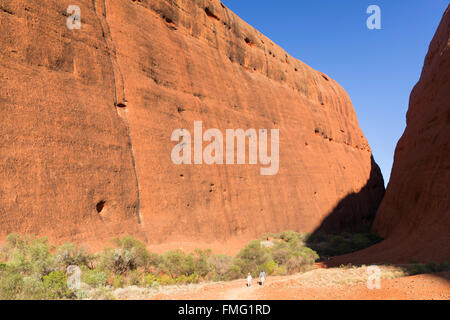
x=87 y=117
x=414 y=215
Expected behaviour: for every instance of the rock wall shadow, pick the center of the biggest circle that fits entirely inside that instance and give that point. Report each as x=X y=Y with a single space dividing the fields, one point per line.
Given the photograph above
x=356 y=212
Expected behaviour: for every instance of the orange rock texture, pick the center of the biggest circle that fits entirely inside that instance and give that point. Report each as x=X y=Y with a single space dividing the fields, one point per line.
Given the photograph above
x=416 y=210
x=87 y=116
x=414 y=215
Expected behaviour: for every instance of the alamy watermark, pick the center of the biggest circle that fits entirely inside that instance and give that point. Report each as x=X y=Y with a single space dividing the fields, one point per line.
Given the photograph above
x=374 y=277
x=74 y=20
x=74 y=277
x=213 y=153
x=374 y=20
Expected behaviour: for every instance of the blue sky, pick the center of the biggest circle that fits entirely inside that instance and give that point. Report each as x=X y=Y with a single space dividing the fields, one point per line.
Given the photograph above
x=377 y=68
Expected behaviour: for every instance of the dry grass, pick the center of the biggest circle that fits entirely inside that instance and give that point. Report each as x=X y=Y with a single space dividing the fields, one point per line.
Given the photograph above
x=318 y=278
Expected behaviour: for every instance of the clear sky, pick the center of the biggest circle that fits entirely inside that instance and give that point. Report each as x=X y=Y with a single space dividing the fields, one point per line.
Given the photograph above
x=377 y=68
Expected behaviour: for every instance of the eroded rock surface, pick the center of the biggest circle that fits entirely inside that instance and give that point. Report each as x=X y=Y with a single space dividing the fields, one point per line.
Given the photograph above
x=87 y=117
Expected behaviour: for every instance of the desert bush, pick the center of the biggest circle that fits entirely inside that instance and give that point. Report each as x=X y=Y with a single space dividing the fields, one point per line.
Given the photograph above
x=31 y=269
x=30 y=256
x=201 y=264
x=134 y=278
x=317 y=237
x=118 y=281
x=294 y=264
x=234 y=272
x=176 y=263
x=289 y=236
x=431 y=267
x=444 y=266
x=220 y=265
x=96 y=278
x=333 y=244
x=417 y=269
x=55 y=283
x=11 y=284
x=251 y=258
x=34 y=289
x=150 y=281
x=270 y=267
x=70 y=254
x=118 y=261
x=136 y=249
x=281 y=252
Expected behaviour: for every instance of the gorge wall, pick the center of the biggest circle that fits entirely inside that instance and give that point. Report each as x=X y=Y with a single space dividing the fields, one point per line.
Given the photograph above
x=87 y=117
x=414 y=215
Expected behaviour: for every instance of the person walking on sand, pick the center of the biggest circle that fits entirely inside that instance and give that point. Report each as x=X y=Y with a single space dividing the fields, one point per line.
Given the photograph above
x=262 y=277
x=249 y=280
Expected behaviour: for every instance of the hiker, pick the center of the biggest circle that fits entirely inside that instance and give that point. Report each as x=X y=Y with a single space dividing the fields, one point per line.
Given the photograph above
x=262 y=276
x=249 y=280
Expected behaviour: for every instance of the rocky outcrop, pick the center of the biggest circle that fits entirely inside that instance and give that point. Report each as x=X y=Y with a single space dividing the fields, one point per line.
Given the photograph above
x=87 y=117
x=414 y=215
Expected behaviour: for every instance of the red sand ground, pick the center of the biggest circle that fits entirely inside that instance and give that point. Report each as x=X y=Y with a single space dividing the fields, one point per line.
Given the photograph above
x=423 y=287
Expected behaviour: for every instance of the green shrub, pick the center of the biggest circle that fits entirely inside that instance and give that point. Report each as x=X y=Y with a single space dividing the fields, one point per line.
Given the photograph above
x=11 y=285
x=269 y=267
x=134 y=278
x=289 y=236
x=95 y=278
x=332 y=244
x=150 y=281
x=417 y=269
x=177 y=263
x=56 y=284
x=251 y=258
x=31 y=269
x=118 y=281
x=70 y=254
x=14 y=240
x=30 y=256
x=444 y=266
x=234 y=272
x=201 y=265
x=281 y=252
x=220 y=265
x=135 y=248
x=317 y=237
x=118 y=261
x=165 y=280
x=34 y=289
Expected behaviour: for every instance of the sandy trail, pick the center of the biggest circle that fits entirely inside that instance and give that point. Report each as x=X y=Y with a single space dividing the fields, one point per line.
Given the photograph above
x=321 y=284
x=241 y=293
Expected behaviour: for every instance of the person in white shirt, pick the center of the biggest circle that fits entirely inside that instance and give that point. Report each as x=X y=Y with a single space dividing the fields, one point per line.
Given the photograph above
x=249 y=280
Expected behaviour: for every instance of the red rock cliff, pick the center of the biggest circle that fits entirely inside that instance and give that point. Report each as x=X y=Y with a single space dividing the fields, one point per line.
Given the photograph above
x=414 y=215
x=78 y=164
